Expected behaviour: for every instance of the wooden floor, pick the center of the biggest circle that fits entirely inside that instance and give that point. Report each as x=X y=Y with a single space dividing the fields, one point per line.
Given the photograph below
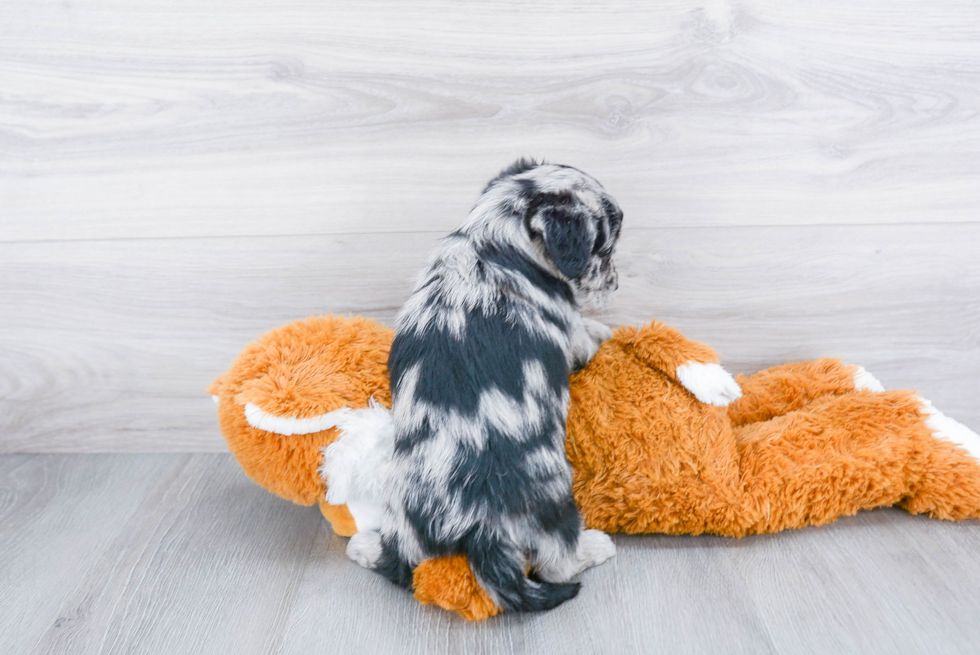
x=170 y=553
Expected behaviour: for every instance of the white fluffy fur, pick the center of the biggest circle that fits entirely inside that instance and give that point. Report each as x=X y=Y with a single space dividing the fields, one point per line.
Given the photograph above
x=865 y=381
x=353 y=466
x=365 y=548
x=594 y=548
x=710 y=383
x=950 y=430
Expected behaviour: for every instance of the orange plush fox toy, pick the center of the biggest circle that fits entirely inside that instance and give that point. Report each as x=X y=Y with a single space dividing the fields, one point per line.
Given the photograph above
x=804 y=444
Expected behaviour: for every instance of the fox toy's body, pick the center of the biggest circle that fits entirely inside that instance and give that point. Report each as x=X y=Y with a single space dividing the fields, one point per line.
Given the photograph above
x=804 y=444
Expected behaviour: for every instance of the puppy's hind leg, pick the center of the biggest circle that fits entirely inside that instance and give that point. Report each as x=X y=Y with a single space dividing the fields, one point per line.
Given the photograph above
x=553 y=561
x=372 y=551
x=365 y=548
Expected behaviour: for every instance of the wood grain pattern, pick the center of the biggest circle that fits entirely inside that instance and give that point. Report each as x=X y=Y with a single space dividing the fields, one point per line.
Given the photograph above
x=176 y=120
x=109 y=346
x=890 y=560
x=181 y=553
x=206 y=563
x=57 y=516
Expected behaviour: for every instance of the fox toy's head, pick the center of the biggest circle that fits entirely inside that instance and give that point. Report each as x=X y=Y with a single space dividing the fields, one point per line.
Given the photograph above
x=280 y=402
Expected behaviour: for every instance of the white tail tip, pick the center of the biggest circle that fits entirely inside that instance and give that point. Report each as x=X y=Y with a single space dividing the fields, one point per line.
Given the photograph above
x=947 y=429
x=865 y=381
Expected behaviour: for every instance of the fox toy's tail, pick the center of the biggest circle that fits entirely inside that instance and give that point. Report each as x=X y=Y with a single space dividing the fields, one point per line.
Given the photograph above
x=842 y=454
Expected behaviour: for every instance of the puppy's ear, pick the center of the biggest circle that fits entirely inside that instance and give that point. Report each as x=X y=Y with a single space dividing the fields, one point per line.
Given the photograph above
x=567 y=239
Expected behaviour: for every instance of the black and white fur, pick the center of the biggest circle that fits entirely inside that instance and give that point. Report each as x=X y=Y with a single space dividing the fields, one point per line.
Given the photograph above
x=479 y=377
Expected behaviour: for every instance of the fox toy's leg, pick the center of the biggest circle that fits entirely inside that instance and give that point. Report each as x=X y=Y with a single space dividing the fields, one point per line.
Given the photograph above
x=782 y=389
x=842 y=454
x=340 y=519
x=948 y=485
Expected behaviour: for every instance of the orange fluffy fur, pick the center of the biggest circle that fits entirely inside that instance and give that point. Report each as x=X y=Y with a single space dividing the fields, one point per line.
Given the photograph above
x=300 y=370
x=801 y=447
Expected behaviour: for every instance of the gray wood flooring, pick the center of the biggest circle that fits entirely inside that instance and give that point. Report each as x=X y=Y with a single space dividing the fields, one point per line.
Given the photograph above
x=181 y=553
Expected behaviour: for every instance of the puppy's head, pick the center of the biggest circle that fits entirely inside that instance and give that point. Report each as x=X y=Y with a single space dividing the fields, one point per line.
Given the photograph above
x=572 y=224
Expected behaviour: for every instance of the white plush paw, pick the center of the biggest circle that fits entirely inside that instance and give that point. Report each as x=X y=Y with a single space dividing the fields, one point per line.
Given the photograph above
x=365 y=548
x=595 y=547
x=710 y=383
x=598 y=331
x=947 y=429
x=864 y=380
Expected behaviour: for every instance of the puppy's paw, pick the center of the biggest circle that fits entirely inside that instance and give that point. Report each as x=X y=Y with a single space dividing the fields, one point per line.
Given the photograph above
x=595 y=547
x=365 y=549
x=598 y=331
x=585 y=342
x=710 y=383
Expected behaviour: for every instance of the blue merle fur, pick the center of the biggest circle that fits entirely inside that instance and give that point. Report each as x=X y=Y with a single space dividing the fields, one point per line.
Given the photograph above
x=452 y=367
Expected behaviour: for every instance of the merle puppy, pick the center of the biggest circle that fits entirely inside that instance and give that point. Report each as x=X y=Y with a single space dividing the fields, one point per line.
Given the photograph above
x=479 y=378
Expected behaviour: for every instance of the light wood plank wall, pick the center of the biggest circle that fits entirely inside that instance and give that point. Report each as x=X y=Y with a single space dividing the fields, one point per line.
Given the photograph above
x=176 y=178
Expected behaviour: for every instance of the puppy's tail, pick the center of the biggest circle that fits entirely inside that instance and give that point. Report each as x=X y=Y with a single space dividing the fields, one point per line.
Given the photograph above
x=500 y=569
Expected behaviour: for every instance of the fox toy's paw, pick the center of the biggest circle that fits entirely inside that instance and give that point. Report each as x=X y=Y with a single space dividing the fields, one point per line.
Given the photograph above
x=710 y=383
